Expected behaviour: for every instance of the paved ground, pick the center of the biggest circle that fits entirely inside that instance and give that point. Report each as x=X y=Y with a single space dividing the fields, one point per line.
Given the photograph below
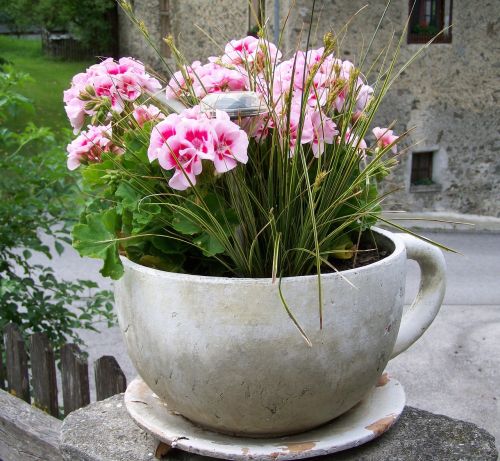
x=454 y=369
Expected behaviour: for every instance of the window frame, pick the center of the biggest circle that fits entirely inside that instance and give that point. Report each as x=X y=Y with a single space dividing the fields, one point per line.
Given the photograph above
x=416 y=10
x=423 y=168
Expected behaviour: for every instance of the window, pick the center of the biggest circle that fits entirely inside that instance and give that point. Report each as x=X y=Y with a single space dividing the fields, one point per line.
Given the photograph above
x=165 y=28
x=427 y=19
x=421 y=168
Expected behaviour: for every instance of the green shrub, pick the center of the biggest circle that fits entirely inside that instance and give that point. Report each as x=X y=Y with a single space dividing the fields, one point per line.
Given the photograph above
x=35 y=196
x=86 y=19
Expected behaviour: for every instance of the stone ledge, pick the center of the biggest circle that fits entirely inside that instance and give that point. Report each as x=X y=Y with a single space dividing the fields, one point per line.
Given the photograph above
x=435 y=221
x=103 y=431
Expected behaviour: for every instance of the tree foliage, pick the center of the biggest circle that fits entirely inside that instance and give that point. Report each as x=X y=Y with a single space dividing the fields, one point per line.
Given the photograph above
x=35 y=194
x=87 y=20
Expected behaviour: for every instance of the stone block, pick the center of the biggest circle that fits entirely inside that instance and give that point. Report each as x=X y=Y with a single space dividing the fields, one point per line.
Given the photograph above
x=103 y=431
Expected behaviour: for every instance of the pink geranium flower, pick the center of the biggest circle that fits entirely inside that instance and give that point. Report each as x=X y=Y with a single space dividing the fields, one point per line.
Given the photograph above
x=230 y=143
x=365 y=93
x=182 y=141
x=293 y=76
x=257 y=127
x=192 y=142
x=178 y=85
x=194 y=112
x=199 y=134
x=89 y=146
x=205 y=79
x=161 y=133
x=128 y=74
x=239 y=51
x=354 y=141
x=220 y=79
x=385 y=138
x=117 y=82
x=290 y=126
x=324 y=132
x=179 y=154
x=250 y=50
x=75 y=110
x=143 y=114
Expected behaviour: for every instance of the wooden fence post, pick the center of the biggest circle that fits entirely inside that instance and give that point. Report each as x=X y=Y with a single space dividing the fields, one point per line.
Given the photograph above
x=16 y=363
x=109 y=377
x=75 y=378
x=2 y=369
x=43 y=374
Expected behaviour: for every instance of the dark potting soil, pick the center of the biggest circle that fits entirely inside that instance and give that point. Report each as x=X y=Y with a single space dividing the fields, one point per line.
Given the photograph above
x=367 y=253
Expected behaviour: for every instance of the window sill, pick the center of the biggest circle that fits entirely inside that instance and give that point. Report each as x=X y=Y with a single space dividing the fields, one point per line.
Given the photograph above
x=426 y=39
x=427 y=188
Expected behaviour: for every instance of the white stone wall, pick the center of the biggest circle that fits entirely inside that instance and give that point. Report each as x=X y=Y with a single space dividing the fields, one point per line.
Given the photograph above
x=450 y=97
x=200 y=28
x=131 y=40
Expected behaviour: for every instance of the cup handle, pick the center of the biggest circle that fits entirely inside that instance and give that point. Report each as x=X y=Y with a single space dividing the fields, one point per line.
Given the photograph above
x=430 y=295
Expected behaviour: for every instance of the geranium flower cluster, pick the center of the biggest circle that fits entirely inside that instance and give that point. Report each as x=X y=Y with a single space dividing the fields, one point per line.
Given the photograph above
x=306 y=97
x=89 y=146
x=327 y=80
x=227 y=73
x=109 y=82
x=181 y=142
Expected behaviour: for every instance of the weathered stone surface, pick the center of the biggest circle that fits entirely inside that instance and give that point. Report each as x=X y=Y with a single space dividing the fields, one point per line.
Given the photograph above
x=27 y=433
x=103 y=431
x=420 y=435
x=200 y=28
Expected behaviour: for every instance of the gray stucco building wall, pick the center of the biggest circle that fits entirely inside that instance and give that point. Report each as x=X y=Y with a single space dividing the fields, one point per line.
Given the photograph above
x=450 y=96
x=200 y=28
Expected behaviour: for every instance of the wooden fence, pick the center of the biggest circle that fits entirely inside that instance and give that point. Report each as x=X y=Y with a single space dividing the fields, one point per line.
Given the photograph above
x=39 y=355
x=64 y=46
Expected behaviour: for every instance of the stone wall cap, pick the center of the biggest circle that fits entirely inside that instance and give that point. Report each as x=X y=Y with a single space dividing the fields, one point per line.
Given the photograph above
x=103 y=431
x=433 y=221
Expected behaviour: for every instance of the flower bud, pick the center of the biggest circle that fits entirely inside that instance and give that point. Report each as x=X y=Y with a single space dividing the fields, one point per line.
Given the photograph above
x=330 y=43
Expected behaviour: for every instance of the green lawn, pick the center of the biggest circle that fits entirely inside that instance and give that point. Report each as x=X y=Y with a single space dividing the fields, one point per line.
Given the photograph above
x=50 y=78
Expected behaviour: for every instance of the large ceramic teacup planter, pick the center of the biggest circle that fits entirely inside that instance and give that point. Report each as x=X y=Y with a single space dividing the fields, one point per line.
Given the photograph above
x=224 y=353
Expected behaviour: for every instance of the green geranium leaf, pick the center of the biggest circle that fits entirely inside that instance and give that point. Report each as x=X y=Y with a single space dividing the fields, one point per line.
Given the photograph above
x=343 y=248
x=97 y=239
x=127 y=198
x=137 y=212
x=181 y=223
x=169 y=246
x=95 y=174
x=144 y=216
x=59 y=247
x=371 y=196
x=136 y=151
x=162 y=263
x=127 y=193
x=209 y=244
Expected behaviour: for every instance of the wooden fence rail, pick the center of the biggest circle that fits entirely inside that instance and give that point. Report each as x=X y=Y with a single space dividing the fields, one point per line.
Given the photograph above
x=15 y=375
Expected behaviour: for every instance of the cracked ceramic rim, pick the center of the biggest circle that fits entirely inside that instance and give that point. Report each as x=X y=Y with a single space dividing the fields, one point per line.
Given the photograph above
x=369 y=419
